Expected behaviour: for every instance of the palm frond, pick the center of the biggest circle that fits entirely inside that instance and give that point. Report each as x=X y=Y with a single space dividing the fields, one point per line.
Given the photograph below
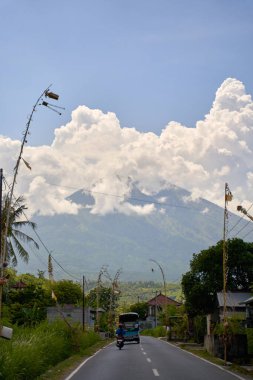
x=14 y=233
x=11 y=254
x=25 y=238
x=24 y=223
x=23 y=254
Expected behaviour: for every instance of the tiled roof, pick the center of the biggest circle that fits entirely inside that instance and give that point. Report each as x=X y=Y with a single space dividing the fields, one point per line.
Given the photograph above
x=161 y=300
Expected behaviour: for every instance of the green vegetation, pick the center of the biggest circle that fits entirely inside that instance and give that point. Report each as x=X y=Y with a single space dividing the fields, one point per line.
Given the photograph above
x=62 y=369
x=205 y=277
x=26 y=305
x=68 y=292
x=156 y=332
x=141 y=308
x=14 y=234
x=105 y=298
x=142 y=291
x=32 y=351
x=234 y=326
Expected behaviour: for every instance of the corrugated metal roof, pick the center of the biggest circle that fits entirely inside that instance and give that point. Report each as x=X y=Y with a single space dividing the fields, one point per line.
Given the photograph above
x=248 y=301
x=234 y=299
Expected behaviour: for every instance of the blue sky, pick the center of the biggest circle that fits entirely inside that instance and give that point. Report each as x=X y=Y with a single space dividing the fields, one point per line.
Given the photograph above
x=150 y=62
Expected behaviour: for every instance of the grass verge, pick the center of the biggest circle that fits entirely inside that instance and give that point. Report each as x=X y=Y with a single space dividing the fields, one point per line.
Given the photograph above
x=205 y=355
x=64 y=368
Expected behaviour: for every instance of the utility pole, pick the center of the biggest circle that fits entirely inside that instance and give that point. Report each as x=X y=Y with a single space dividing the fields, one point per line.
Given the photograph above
x=99 y=280
x=114 y=291
x=228 y=198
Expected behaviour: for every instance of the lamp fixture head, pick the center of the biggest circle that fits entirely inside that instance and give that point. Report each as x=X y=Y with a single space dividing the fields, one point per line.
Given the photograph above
x=51 y=95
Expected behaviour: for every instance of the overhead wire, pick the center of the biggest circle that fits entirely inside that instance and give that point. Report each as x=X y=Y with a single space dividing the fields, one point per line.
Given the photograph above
x=247 y=234
x=242 y=228
x=123 y=196
x=245 y=225
x=152 y=201
x=43 y=244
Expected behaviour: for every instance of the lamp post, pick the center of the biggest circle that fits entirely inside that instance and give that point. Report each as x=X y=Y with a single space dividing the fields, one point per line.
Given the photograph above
x=45 y=93
x=83 y=303
x=165 y=292
x=3 y=253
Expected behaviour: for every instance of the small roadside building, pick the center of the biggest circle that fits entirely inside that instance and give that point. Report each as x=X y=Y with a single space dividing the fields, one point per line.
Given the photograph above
x=156 y=305
x=236 y=307
x=73 y=314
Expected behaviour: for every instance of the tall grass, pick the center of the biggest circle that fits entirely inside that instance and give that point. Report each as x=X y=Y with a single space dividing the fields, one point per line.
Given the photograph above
x=31 y=352
x=156 y=332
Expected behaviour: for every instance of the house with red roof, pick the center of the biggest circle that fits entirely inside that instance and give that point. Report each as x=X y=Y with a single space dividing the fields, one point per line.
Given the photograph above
x=156 y=305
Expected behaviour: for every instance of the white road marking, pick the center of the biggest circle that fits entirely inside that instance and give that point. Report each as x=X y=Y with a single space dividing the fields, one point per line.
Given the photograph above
x=207 y=361
x=155 y=372
x=149 y=360
x=84 y=362
x=144 y=353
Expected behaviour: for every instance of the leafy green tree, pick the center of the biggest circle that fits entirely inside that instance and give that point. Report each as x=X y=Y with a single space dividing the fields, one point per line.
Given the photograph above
x=141 y=308
x=176 y=318
x=27 y=306
x=68 y=292
x=205 y=277
x=15 y=237
x=104 y=297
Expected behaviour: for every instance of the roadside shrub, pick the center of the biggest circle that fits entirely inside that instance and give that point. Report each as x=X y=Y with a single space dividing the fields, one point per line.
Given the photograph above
x=88 y=339
x=155 y=332
x=31 y=352
x=234 y=326
x=199 y=326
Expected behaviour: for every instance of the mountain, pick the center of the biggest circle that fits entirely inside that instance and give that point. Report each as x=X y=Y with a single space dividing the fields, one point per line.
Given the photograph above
x=82 y=243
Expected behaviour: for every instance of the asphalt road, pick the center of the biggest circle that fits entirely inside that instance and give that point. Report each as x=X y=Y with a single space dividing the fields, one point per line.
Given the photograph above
x=150 y=359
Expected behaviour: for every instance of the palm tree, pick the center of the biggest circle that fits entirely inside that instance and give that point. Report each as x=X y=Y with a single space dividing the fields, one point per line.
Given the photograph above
x=15 y=237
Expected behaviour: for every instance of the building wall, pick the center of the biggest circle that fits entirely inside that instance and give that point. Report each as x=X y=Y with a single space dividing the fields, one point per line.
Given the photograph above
x=75 y=314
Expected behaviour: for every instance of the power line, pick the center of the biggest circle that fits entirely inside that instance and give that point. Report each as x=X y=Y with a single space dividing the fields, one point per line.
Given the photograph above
x=242 y=228
x=247 y=234
x=41 y=241
x=123 y=196
x=241 y=218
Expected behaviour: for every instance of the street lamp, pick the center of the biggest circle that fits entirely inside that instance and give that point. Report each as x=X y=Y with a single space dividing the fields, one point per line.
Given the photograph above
x=83 y=303
x=45 y=93
x=3 y=249
x=165 y=292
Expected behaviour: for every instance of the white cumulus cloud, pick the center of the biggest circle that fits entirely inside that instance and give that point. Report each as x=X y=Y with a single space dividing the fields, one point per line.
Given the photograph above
x=94 y=152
